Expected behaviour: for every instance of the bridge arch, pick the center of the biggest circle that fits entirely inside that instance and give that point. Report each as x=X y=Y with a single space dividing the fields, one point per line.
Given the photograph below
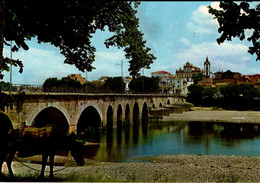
x=88 y=104
x=30 y=119
x=51 y=115
x=89 y=120
x=160 y=105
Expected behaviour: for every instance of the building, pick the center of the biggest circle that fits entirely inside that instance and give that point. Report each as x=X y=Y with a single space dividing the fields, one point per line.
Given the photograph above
x=217 y=77
x=253 y=79
x=188 y=71
x=160 y=74
x=102 y=79
x=163 y=76
x=227 y=77
x=207 y=80
x=76 y=77
x=171 y=84
x=207 y=68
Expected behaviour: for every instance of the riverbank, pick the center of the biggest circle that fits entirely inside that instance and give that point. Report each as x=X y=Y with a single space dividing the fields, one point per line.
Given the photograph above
x=215 y=115
x=165 y=168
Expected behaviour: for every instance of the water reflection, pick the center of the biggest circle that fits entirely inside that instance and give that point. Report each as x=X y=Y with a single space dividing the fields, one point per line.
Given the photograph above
x=150 y=139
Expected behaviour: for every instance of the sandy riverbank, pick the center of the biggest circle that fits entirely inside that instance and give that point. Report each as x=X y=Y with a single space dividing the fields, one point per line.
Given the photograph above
x=166 y=168
x=211 y=115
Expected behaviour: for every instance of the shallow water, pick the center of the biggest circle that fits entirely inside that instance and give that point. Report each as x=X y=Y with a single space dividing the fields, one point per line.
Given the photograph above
x=205 y=138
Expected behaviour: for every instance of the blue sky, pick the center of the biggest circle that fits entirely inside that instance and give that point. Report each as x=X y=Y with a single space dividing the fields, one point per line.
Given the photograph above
x=176 y=32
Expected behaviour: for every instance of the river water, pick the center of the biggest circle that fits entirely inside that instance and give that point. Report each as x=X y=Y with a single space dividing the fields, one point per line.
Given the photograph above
x=160 y=138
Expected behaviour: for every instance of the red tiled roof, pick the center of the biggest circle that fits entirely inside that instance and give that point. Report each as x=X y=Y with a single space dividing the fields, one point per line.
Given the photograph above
x=164 y=72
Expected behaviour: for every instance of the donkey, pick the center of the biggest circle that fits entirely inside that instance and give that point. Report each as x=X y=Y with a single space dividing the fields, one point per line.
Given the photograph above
x=45 y=141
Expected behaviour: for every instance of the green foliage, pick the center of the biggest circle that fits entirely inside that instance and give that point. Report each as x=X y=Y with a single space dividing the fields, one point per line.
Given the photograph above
x=197 y=77
x=4 y=86
x=63 y=85
x=93 y=88
x=69 y=25
x=239 y=97
x=209 y=96
x=114 y=84
x=195 y=94
x=6 y=63
x=234 y=19
x=144 y=84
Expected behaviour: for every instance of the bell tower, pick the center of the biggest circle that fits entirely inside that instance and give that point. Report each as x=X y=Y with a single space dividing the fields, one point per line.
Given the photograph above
x=207 y=68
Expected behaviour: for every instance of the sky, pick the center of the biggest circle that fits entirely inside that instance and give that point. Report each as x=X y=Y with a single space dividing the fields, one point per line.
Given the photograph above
x=176 y=32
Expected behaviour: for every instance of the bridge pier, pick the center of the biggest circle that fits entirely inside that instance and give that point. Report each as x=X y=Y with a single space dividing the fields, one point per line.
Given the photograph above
x=81 y=110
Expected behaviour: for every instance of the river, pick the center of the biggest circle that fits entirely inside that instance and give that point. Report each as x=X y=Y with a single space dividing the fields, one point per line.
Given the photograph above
x=158 y=138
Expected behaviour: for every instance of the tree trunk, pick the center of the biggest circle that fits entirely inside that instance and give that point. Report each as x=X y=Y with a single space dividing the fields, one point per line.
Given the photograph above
x=2 y=25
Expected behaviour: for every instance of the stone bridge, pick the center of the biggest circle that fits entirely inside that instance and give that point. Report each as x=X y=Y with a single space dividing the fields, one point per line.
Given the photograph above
x=76 y=112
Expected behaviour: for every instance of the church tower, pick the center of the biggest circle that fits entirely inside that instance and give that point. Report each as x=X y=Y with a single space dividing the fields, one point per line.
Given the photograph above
x=207 y=68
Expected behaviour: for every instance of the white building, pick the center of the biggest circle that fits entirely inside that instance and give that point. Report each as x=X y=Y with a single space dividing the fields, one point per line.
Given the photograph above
x=170 y=84
x=160 y=74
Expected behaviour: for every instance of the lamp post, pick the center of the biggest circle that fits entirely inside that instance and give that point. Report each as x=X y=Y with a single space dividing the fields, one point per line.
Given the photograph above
x=10 y=84
x=122 y=84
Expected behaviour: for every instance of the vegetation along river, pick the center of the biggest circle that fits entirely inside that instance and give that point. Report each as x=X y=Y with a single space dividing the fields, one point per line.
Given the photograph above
x=173 y=137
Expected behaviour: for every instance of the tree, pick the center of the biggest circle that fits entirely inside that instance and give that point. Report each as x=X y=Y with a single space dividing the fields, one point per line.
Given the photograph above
x=114 y=84
x=209 y=96
x=197 y=77
x=63 y=85
x=234 y=19
x=195 y=94
x=69 y=25
x=239 y=96
x=144 y=84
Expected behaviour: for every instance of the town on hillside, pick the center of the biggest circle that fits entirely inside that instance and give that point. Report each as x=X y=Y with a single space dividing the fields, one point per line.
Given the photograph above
x=179 y=82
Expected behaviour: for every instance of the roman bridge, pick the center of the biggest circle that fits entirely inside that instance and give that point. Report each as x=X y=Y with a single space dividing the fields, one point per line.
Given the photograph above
x=76 y=112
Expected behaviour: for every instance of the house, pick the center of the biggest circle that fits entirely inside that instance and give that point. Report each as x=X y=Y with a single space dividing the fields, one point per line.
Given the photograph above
x=76 y=77
x=206 y=81
x=227 y=77
x=169 y=83
x=188 y=71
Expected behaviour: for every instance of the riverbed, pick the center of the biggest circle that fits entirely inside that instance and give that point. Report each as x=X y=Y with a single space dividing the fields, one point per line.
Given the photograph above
x=166 y=168
x=162 y=168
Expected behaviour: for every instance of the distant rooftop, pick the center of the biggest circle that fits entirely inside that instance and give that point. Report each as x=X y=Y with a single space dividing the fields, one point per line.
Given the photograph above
x=164 y=72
